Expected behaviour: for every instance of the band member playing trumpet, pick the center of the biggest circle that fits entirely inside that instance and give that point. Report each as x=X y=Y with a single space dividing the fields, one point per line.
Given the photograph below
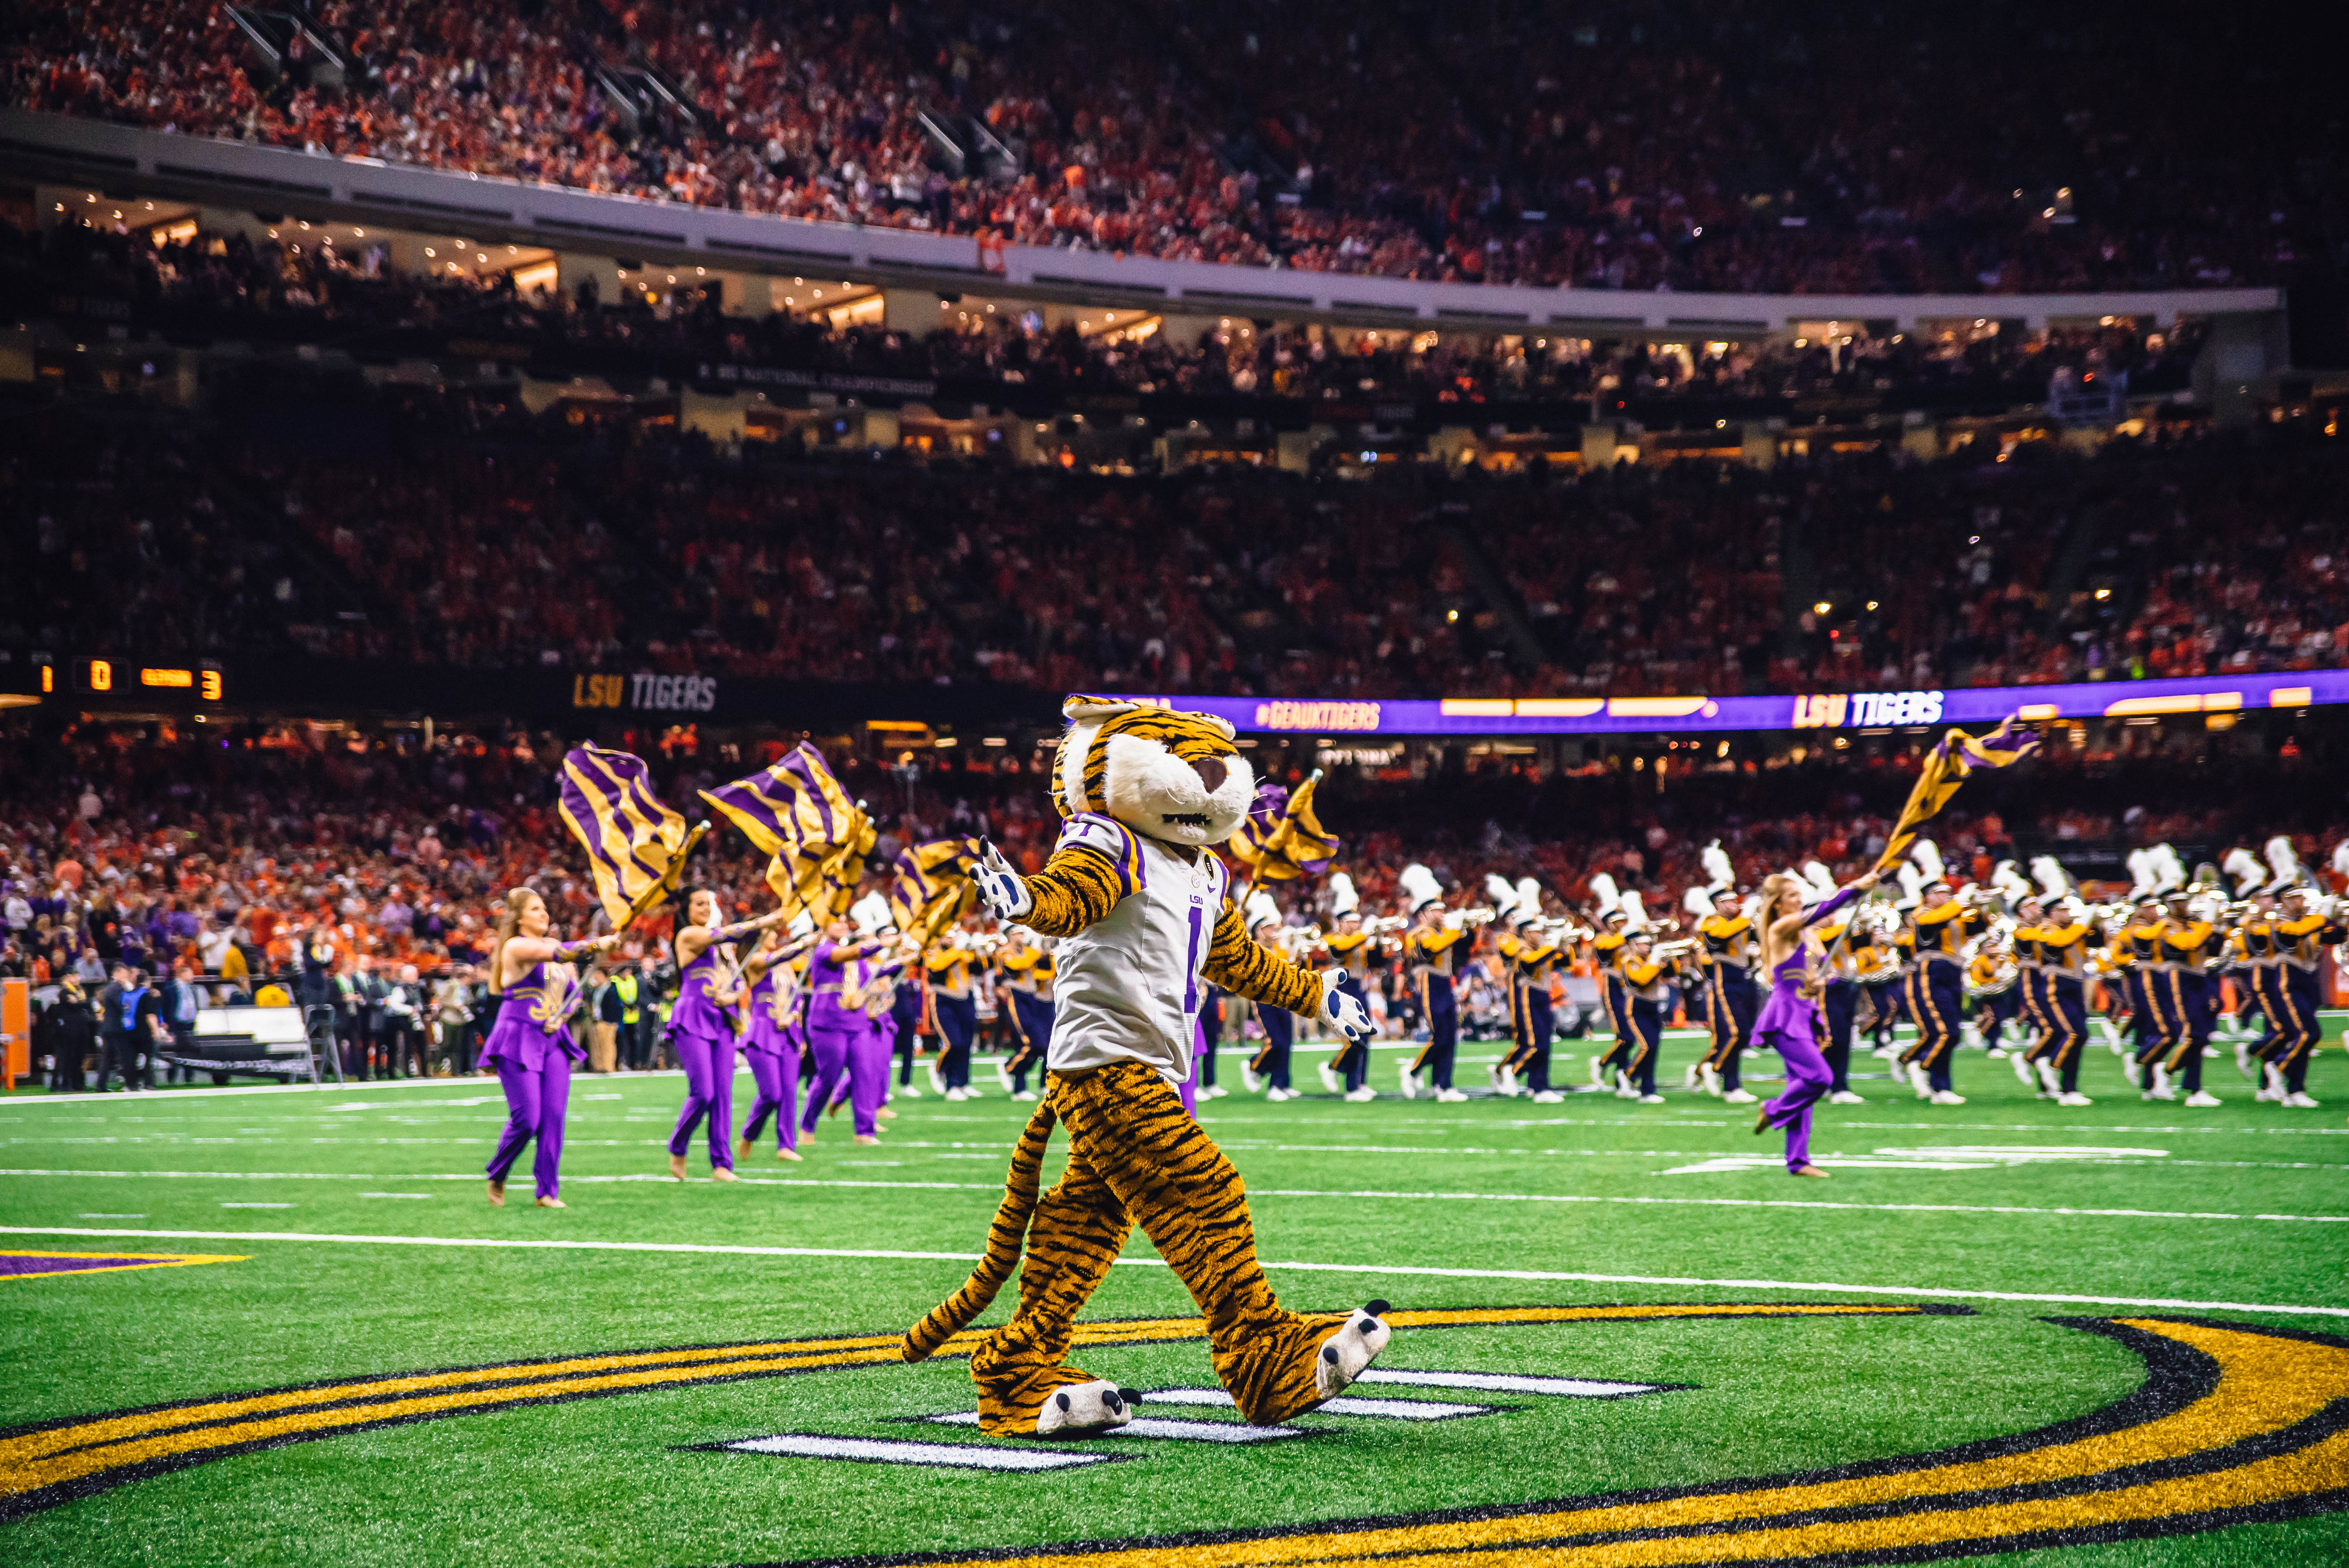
x=2303 y=927
x=1355 y=950
x=1433 y=950
x=1937 y=932
x=1729 y=996
x=2061 y=938
x=1610 y=1067
x=1647 y=980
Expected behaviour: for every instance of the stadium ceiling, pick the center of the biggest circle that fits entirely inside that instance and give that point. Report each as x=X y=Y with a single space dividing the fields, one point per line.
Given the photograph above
x=128 y=161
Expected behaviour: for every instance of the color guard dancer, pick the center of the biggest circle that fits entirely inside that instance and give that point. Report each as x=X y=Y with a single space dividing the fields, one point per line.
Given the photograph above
x=838 y=1027
x=775 y=1007
x=701 y=1033
x=1789 y=1023
x=530 y=1045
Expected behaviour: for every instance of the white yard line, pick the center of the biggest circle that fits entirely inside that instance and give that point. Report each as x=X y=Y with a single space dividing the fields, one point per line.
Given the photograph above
x=1386 y=1194
x=554 y=1245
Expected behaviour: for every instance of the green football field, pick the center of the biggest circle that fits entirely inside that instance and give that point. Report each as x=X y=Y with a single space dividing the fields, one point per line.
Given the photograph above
x=2097 y=1336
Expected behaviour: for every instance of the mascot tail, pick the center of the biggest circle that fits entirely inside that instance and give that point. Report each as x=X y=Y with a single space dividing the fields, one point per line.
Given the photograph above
x=1005 y=1239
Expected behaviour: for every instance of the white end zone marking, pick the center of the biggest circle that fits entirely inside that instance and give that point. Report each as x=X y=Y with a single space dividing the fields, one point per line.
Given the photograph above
x=898 y=1451
x=1509 y=1383
x=1384 y=1410
x=1147 y=1427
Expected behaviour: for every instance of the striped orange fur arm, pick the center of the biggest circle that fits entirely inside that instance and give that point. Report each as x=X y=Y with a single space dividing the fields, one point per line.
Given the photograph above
x=1246 y=967
x=1078 y=886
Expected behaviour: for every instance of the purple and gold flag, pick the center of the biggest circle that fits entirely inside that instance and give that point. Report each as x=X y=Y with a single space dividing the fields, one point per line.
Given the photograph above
x=1282 y=840
x=798 y=812
x=931 y=885
x=633 y=842
x=1947 y=765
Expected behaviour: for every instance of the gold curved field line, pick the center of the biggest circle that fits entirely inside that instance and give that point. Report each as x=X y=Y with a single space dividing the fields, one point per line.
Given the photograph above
x=79 y=1455
x=2265 y=1385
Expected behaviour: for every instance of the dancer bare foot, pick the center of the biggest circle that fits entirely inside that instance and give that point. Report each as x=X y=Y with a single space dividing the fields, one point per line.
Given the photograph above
x=741 y=1148
x=787 y=1154
x=497 y=1194
x=1762 y=1120
x=868 y=1140
x=551 y=1203
x=720 y=1173
x=1810 y=1170
x=886 y=1114
x=676 y=1167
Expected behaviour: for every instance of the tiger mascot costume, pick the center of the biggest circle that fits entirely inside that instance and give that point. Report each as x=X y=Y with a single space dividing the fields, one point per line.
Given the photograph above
x=1140 y=907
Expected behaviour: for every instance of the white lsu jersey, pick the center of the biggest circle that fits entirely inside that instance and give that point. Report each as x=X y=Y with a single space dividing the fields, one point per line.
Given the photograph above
x=1128 y=987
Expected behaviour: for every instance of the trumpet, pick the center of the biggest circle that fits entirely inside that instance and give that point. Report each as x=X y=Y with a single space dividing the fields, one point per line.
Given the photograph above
x=1674 y=948
x=1479 y=916
x=1386 y=925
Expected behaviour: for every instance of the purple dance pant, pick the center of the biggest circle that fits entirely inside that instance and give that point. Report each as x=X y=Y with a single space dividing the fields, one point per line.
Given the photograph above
x=870 y=1054
x=830 y=1049
x=709 y=1091
x=536 y=1098
x=1807 y=1081
x=777 y=1077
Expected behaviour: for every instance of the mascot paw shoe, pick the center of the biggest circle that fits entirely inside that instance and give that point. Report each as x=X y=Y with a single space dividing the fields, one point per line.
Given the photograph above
x=1349 y=1350
x=1083 y=1408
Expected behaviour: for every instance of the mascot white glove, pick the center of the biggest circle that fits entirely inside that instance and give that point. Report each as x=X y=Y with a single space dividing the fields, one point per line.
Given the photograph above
x=1341 y=1010
x=1000 y=888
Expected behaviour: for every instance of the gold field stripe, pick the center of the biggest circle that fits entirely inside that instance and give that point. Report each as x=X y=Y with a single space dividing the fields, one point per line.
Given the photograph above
x=2265 y=1385
x=75 y=1451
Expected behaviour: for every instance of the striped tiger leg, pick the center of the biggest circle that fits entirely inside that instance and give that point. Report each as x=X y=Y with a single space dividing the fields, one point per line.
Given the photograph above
x=1075 y=1233
x=1128 y=1123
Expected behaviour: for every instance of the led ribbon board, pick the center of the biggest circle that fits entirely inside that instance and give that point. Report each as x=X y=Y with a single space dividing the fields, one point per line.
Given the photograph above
x=1824 y=711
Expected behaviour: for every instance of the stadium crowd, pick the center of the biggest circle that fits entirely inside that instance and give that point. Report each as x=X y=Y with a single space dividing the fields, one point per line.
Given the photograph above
x=526 y=546
x=1819 y=150
x=362 y=870
x=287 y=289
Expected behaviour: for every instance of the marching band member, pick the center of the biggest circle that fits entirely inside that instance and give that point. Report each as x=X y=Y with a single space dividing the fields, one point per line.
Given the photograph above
x=1355 y=950
x=530 y=1045
x=1647 y=979
x=2304 y=927
x=2139 y=942
x=1938 y=932
x=2251 y=958
x=1269 y=1068
x=947 y=974
x=701 y=1033
x=2180 y=988
x=1789 y=950
x=1503 y=965
x=1838 y=1003
x=1612 y=923
x=2030 y=984
x=1025 y=968
x=1210 y=1035
x=1725 y=976
x=2059 y=939
x=1537 y=954
x=1432 y=951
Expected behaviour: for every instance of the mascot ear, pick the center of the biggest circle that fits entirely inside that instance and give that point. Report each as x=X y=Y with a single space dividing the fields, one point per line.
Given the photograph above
x=1078 y=708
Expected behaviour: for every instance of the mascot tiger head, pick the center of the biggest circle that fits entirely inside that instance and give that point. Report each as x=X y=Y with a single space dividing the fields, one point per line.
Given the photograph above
x=1162 y=773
